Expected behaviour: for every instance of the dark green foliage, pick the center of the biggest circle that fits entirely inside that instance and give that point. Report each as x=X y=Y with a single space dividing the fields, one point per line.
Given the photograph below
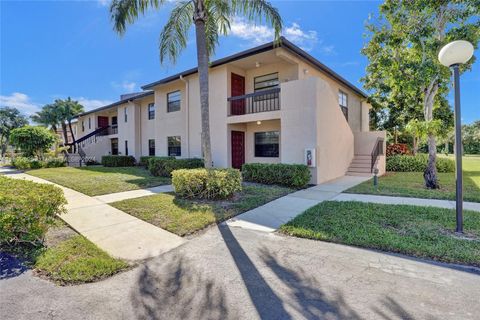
x=418 y=163
x=289 y=175
x=118 y=161
x=163 y=166
x=27 y=210
x=206 y=183
x=23 y=163
x=144 y=161
x=32 y=141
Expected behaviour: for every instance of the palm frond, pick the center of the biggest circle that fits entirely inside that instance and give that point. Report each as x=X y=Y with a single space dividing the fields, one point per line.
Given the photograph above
x=257 y=11
x=125 y=12
x=174 y=36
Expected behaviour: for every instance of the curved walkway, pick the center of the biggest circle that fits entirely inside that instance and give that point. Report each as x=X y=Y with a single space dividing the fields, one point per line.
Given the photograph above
x=118 y=233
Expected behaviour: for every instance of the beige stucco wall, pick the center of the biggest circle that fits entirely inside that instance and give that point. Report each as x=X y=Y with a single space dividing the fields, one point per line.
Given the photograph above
x=365 y=142
x=311 y=119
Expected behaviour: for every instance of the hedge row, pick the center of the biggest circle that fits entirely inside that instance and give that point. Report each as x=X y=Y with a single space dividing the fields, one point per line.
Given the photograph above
x=164 y=166
x=206 y=183
x=23 y=163
x=418 y=163
x=118 y=161
x=27 y=210
x=290 y=175
x=145 y=160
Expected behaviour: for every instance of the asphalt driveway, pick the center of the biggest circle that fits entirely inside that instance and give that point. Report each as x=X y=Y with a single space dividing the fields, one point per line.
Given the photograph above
x=234 y=273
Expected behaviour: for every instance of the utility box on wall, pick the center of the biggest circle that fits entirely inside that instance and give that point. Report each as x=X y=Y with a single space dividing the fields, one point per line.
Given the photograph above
x=310 y=157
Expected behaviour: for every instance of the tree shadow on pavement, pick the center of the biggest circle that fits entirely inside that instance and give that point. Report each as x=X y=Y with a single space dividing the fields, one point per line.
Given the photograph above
x=309 y=299
x=396 y=309
x=177 y=290
x=11 y=266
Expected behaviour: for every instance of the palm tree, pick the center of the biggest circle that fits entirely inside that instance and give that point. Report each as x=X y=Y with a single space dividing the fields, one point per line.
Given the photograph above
x=70 y=109
x=211 y=19
x=49 y=116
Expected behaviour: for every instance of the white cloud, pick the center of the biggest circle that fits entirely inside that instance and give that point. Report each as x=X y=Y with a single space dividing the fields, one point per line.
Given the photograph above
x=103 y=3
x=90 y=104
x=127 y=86
x=21 y=101
x=258 y=34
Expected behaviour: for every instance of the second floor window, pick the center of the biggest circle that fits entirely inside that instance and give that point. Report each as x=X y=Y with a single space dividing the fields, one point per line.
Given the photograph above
x=343 y=102
x=173 y=101
x=151 y=147
x=126 y=147
x=89 y=123
x=268 y=81
x=151 y=111
x=83 y=126
x=125 y=114
x=174 y=146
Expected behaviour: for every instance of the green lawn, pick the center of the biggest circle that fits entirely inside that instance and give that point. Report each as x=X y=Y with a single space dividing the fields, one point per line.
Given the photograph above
x=94 y=181
x=411 y=184
x=76 y=260
x=182 y=216
x=424 y=232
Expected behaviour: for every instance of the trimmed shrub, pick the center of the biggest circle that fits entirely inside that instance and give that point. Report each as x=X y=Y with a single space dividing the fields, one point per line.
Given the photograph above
x=164 y=166
x=27 y=210
x=145 y=160
x=118 y=161
x=21 y=163
x=418 y=163
x=206 y=183
x=290 y=175
x=397 y=148
x=54 y=163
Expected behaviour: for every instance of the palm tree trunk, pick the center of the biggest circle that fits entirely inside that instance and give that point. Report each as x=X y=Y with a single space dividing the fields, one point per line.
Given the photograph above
x=73 y=136
x=202 y=59
x=65 y=133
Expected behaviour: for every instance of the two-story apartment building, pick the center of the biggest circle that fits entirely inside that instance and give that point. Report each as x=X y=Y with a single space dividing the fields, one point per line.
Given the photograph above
x=273 y=103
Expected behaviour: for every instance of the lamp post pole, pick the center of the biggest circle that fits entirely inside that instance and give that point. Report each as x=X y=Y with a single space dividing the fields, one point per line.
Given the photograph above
x=458 y=150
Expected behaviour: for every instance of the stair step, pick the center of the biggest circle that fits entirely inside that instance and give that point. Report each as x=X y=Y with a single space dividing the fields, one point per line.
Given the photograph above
x=359 y=169
x=362 y=156
x=360 y=165
x=360 y=174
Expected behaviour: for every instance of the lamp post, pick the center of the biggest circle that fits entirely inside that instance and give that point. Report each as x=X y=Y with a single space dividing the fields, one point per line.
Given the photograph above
x=452 y=55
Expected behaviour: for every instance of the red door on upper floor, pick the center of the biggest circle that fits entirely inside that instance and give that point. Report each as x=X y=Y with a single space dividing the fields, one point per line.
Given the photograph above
x=238 y=149
x=237 y=89
x=102 y=122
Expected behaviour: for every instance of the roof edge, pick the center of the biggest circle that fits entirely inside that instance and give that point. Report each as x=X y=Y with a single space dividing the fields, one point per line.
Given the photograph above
x=136 y=97
x=283 y=42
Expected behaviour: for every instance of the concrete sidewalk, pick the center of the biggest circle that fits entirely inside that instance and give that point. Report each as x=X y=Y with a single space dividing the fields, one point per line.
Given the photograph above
x=118 y=233
x=448 y=204
x=272 y=215
x=119 y=196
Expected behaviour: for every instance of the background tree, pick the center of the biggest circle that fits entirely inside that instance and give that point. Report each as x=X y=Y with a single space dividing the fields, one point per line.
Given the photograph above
x=33 y=141
x=69 y=109
x=471 y=138
x=10 y=118
x=402 y=49
x=49 y=116
x=211 y=19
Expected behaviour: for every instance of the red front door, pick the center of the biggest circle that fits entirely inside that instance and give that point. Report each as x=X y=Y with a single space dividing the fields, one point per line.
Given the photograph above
x=238 y=149
x=237 y=89
x=102 y=122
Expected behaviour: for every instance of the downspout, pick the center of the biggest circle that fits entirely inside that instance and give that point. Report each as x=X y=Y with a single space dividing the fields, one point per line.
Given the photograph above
x=187 y=111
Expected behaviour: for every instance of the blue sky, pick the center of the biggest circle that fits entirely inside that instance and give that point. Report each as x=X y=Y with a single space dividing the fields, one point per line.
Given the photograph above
x=55 y=49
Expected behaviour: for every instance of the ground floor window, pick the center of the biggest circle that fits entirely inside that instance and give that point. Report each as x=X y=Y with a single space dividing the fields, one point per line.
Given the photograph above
x=151 y=147
x=114 y=147
x=174 y=146
x=267 y=144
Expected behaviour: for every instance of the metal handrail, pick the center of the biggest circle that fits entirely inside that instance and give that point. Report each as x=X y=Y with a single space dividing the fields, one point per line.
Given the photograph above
x=377 y=150
x=260 y=101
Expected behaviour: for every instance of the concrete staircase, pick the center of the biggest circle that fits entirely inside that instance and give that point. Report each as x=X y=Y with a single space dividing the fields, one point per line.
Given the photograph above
x=360 y=166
